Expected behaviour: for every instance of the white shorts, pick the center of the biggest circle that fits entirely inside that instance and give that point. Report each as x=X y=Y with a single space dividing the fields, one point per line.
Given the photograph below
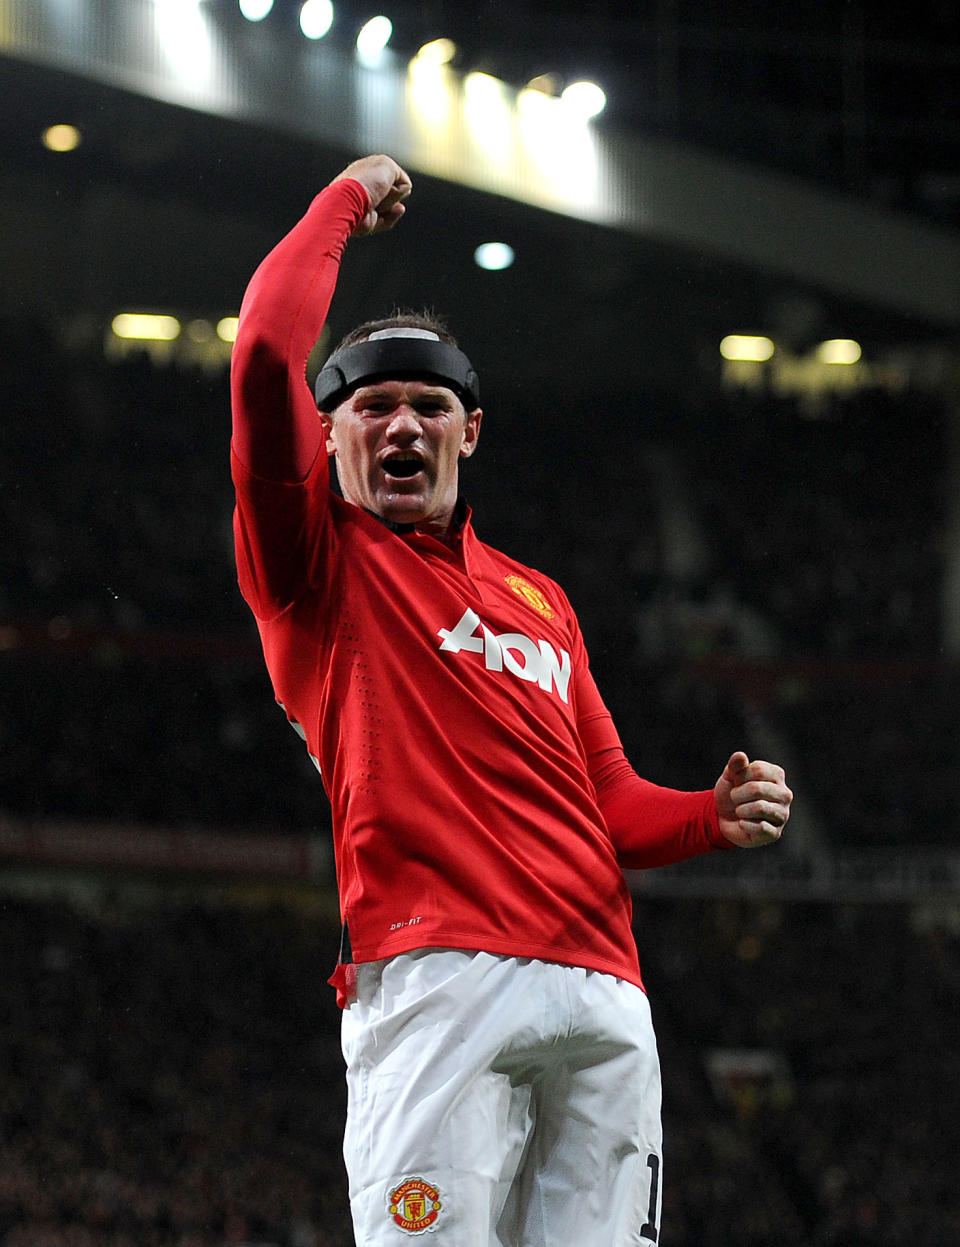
x=497 y=1102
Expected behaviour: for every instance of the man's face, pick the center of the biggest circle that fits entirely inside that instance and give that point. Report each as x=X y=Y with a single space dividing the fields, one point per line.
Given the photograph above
x=398 y=446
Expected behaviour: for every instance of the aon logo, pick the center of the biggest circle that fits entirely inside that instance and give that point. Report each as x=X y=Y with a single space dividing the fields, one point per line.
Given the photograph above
x=534 y=661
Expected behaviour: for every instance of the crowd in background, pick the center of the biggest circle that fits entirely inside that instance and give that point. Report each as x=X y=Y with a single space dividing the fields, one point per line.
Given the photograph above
x=173 y=1078
x=168 y=1079
x=132 y=681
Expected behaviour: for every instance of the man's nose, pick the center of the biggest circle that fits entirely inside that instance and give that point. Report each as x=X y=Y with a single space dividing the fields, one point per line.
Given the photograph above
x=404 y=424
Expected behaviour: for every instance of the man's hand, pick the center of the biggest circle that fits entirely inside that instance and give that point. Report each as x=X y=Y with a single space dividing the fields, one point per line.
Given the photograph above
x=387 y=186
x=753 y=801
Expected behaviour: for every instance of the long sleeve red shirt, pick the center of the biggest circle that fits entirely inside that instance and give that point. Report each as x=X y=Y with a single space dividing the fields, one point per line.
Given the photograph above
x=480 y=795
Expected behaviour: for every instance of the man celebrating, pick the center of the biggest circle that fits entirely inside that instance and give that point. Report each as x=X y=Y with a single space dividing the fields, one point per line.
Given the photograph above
x=503 y=1079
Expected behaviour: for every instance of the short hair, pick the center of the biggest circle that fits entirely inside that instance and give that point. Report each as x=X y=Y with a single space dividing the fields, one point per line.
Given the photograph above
x=402 y=318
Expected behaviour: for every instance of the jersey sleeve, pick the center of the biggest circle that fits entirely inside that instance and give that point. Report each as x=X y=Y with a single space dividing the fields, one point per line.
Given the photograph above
x=277 y=450
x=648 y=824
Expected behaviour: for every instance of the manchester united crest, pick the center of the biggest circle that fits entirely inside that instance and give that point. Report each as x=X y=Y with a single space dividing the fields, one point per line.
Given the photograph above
x=414 y=1206
x=531 y=595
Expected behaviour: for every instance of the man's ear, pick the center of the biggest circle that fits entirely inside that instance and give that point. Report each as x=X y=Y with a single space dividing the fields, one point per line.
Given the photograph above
x=471 y=432
x=327 y=421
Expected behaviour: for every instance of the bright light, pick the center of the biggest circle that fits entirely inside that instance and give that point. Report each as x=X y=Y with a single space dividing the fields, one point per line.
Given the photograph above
x=227 y=328
x=494 y=256
x=184 y=33
x=431 y=90
x=145 y=327
x=487 y=109
x=839 y=351
x=545 y=131
x=316 y=18
x=438 y=51
x=255 y=10
x=586 y=99
x=744 y=346
x=373 y=38
x=61 y=138
x=482 y=86
x=560 y=149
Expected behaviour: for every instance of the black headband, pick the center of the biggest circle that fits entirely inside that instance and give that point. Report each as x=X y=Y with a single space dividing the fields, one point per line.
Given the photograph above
x=396 y=356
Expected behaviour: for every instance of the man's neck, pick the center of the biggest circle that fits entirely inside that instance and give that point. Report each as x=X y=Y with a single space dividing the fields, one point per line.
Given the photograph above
x=446 y=528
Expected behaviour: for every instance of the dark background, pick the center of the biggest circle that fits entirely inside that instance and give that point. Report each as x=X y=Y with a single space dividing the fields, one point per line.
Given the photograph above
x=168 y=1045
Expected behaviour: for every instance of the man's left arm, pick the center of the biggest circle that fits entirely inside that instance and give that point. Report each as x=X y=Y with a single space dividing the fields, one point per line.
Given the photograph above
x=654 y=826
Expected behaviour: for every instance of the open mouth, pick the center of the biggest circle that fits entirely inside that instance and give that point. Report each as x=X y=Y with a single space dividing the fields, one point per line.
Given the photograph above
x=402 y=467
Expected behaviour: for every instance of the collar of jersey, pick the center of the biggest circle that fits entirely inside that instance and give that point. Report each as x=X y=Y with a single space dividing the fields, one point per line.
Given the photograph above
x=460 y=514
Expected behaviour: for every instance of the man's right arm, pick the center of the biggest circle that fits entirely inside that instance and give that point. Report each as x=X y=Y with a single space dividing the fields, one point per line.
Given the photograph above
x=276 y=432
x=278 y=440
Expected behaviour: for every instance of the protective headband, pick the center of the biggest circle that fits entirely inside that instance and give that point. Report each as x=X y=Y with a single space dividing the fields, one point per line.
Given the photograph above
x=394 y=354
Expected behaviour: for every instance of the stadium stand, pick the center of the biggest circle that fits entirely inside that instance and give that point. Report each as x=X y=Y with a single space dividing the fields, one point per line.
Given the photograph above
x=129 y=658
x=172 y=1075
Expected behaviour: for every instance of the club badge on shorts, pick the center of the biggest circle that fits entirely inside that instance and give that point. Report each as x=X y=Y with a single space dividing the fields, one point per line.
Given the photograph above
x=414 y=1206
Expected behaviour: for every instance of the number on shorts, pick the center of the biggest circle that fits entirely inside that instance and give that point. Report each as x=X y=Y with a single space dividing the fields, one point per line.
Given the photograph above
x=649 y=1227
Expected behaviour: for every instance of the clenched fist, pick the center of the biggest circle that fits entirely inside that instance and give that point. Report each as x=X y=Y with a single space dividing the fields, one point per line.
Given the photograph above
x=387 y=186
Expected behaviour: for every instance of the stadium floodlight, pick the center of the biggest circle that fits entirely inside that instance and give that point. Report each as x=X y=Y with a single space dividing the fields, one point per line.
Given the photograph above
x=488 y=110
x=184 y=33
x=839 y=351
x=744 y=346
x=373 y=38
x=494 y=256
x=585 y=99
x=483 y=88
x=255 y=10
x=438 y=52
x=145 y=327
x=61 y=138
x=316 y=18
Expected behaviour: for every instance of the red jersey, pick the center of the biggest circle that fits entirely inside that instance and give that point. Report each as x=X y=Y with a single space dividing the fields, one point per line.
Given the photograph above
x=479 y=792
